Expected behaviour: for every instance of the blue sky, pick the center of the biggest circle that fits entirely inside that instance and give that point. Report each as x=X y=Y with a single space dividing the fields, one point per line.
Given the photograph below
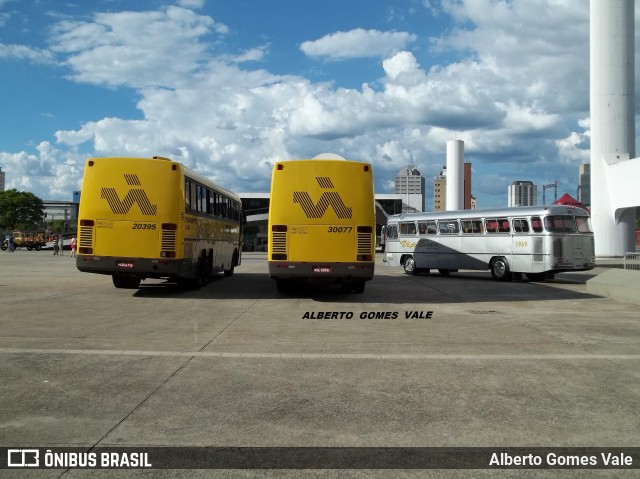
x=230 y=87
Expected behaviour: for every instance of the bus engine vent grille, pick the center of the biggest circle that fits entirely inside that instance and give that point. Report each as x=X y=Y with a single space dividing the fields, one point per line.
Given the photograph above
x=364 y=243
x=168 y=240
x=279 y=242
x=85 y=239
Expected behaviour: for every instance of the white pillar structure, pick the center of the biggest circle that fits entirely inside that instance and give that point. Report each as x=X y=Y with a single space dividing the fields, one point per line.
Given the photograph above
x=455 y=175
x=614 y=177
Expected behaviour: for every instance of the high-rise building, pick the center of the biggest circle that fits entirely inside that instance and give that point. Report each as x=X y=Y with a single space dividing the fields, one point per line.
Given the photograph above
x=1 y=179
x=440 y=190
x=467 y=187
x=584 y=188
x=410 y=185
x=523 y=193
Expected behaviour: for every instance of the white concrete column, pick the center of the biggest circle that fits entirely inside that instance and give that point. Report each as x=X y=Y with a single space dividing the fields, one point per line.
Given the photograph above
x=612 y=98
x=455 y=175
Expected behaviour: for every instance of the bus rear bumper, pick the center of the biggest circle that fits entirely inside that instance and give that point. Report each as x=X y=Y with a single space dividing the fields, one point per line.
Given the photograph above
x=329 y=272
x=141 y=267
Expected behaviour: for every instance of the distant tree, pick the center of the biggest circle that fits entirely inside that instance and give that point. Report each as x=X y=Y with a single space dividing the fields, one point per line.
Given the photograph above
x=56 y=225
x=20 y=209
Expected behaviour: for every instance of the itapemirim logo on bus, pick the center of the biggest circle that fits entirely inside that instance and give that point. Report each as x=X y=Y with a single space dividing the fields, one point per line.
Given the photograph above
x=134 y=195
x=328 y=198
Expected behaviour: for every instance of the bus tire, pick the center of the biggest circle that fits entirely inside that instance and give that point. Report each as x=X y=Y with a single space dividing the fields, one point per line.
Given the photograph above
x=444 y=272
x=284 y=286
x=200 y=278
x=234 y=261
x=203 y=271
x=125 y=281
x=358 y=287
x=535 y=277
x=410 y=265
x=500 y=269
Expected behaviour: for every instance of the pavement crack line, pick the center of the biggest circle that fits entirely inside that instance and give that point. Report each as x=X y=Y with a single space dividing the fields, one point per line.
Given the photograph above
x=228 y=325
x=135 y=408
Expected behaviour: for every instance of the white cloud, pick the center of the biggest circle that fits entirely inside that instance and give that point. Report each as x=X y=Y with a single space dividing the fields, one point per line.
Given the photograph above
x=357 y=43
x=194 y=4
x=23 y=52
x=514 y=96
x=138 y=49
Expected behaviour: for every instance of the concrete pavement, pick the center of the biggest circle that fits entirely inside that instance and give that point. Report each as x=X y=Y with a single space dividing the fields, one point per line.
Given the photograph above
x=414 y=361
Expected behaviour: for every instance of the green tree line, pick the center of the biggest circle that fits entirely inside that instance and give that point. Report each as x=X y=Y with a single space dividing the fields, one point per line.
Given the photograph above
x=20 y=210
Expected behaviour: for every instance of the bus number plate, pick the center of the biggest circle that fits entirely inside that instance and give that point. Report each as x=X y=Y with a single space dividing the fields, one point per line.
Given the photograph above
x=124 y=264
x=322 y=269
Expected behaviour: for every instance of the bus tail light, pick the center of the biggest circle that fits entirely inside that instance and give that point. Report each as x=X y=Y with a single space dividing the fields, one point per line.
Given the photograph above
x=365 y=243
x=85 y=236
x=168 y=240
x=279 y=242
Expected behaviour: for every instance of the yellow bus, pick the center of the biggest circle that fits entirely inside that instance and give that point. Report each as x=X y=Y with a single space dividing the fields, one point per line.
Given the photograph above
x=322 y=223
x=154 y=218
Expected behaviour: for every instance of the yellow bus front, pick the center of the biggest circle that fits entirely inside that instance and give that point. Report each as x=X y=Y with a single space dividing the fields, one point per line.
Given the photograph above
x=131 y=217
x=322 y=221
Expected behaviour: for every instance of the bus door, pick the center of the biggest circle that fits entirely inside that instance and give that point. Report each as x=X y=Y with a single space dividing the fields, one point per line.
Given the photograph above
x=523 y=245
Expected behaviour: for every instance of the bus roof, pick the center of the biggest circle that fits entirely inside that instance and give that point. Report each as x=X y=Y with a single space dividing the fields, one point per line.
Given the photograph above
x=494 y=212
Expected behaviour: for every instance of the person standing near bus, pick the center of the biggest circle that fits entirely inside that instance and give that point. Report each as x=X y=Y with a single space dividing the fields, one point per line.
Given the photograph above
x=12 y=246
x=61 y=245
x=55 y=244
x=73 y=246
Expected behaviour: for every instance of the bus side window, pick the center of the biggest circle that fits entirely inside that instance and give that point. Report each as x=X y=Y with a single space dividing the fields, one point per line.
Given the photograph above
x=408 y=229
x=448 y=227
x=392 y=232
x=491 y=226
x=504 y=226
x=476 y=226
x=422 y=228
x=187 y=194
x=467 y=226
x=520 y=225
x=536 y=224
x=431 y=228
x=194 y=196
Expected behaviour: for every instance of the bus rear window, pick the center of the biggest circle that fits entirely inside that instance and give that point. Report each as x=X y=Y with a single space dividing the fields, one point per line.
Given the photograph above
x=583 y=224
x=560 y=224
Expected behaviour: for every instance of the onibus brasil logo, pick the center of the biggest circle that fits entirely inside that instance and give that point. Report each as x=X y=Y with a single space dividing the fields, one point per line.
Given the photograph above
x=133 y=196
x=328 y=198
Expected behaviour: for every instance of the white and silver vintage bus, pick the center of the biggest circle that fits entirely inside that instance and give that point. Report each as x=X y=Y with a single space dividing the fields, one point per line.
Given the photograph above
x=538 y=241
